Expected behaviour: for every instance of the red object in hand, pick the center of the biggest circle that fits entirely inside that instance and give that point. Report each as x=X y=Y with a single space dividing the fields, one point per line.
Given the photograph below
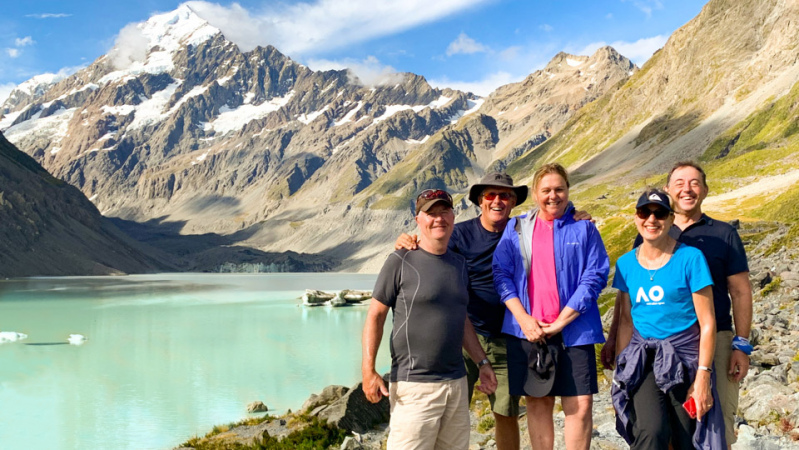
x=690 y=407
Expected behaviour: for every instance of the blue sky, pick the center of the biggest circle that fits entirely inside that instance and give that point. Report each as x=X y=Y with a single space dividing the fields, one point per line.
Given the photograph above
x=474 y=45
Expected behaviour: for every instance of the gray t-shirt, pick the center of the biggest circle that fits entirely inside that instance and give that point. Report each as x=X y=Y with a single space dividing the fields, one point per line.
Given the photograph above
x=428 y=294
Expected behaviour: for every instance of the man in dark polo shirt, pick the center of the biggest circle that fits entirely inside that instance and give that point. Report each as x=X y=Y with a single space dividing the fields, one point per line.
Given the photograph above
x=427 y=289
x=725 y=255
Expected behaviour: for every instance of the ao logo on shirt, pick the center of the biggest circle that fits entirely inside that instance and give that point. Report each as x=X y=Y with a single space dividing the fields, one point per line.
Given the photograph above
x=653 y=297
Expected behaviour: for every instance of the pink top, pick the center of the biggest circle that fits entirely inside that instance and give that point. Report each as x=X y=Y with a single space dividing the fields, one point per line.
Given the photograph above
x=542 y=283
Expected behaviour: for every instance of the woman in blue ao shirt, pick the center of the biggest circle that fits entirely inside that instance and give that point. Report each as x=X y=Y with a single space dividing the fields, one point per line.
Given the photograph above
x=667 y=332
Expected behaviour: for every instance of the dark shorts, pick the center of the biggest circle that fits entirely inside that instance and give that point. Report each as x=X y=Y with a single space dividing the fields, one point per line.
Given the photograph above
x=575 y=373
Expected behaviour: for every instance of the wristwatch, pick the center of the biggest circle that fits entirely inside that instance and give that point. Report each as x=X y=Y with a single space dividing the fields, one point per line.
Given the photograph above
x=482 y=362
x=705 y=368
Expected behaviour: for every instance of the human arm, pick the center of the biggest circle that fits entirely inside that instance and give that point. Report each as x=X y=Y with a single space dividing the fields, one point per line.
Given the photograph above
x=608 y=353
x=488 y=379
x=406 y=241
x=566 y=316
x=700 y=389
x=625 y=328
x=741 y=295
x=583 y=215
x=530 y=327
x=373 y=385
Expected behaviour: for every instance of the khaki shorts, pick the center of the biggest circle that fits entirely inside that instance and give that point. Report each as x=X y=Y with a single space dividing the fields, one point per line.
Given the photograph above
x=502 y=403
x=727 y=389
x=432 y=416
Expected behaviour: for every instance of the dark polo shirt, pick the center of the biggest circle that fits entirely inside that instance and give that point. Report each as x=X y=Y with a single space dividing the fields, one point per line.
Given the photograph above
x=725 y=256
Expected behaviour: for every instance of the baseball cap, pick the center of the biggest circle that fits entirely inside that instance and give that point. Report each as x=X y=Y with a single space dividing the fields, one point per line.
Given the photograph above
x=654 y=197
x=429 y=197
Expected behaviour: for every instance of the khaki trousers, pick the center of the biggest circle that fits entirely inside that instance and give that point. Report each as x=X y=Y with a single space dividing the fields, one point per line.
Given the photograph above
x=727 y=389
x=432 y=416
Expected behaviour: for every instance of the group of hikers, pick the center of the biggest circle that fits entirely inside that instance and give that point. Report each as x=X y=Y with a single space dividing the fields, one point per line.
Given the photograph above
x=512 y=303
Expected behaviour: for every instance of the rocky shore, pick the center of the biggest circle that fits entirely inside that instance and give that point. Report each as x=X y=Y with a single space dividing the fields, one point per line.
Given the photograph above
x=768 y=414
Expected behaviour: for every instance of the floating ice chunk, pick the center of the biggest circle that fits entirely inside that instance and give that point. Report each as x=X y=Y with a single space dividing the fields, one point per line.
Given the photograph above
x=76 y=339
x=11 y=336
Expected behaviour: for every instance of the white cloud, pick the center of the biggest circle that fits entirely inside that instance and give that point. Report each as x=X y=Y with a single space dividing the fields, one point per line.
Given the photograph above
x=48 y=15
x=130 y=46
x=510 y=53
x=367 y=72
x=638 y=52
x=480 y=87
x=309 y=28
x=465 y=45
x=546 y=27
x=12 y=52
x=5 y=90
x=609 y=16
x=27 y=40
x=646 y=6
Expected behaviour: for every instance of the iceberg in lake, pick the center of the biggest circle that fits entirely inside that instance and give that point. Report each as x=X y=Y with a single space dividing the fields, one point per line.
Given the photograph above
x=76 y=339
x=11 y=336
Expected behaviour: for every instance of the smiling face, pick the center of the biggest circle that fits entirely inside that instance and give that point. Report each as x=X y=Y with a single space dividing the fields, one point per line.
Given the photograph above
x=552 y=196
x=494 y=208
x=687 y=188
x=436 y=224
x=650 y=227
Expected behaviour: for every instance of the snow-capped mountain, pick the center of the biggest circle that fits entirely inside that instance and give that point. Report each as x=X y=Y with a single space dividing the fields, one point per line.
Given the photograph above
x=176 y=123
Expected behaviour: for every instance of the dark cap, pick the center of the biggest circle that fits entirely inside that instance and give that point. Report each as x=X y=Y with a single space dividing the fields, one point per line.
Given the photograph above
x=497 y=179
x=541 y=363
x=654 y=197
x=429 y=197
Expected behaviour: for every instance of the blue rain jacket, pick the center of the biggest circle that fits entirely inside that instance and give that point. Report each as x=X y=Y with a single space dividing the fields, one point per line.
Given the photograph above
x=581 y=267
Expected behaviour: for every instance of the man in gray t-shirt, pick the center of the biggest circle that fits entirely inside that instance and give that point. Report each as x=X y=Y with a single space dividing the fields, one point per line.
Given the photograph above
x=427 y=290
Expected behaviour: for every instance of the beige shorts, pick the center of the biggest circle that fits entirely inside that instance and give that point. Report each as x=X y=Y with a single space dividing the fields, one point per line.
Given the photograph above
x=727 y=389
x=429 y=415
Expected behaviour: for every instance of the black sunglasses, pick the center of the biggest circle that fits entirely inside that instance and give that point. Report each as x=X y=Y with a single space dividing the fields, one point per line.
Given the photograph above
x=660 y=213
x=429 y=194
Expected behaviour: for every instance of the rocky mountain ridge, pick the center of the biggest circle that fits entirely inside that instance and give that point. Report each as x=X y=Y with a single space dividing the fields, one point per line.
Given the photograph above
x=255 y=146
x=50 y=228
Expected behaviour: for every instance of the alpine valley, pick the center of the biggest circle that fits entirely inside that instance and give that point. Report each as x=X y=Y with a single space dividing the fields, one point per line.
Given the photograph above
x=230 y=160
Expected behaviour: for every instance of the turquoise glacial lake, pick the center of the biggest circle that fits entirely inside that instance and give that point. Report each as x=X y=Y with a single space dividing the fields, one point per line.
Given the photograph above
x=167 y=357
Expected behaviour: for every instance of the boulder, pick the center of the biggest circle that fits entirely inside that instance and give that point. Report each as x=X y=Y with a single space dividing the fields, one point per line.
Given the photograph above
x=256 y=407
x=328 y=395
x=353 y=412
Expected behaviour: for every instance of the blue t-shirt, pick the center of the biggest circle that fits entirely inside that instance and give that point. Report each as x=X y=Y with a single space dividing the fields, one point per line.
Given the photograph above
x=663 y=305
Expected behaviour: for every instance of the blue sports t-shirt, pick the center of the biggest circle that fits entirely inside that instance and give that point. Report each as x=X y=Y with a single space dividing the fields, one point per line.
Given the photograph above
x=663 y=306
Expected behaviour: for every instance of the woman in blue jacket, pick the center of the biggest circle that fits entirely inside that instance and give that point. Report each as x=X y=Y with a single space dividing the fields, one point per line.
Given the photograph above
x=666 y=339
x=548 y=271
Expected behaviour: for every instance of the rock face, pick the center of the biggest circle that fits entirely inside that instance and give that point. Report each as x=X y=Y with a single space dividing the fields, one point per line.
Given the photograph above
x=50 y=228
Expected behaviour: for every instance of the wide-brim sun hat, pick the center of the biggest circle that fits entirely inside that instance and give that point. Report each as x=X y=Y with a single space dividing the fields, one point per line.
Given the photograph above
x=541 y=363
x=497 y=179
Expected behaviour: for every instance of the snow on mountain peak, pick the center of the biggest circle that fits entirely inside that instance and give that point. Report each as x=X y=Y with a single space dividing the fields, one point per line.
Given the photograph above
x=149 y=46
x=181 y=26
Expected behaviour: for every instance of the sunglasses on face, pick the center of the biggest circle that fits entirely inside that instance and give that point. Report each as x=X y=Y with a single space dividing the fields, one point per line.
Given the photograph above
x=504 y=196
x=430 y=194
x=644 y=213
